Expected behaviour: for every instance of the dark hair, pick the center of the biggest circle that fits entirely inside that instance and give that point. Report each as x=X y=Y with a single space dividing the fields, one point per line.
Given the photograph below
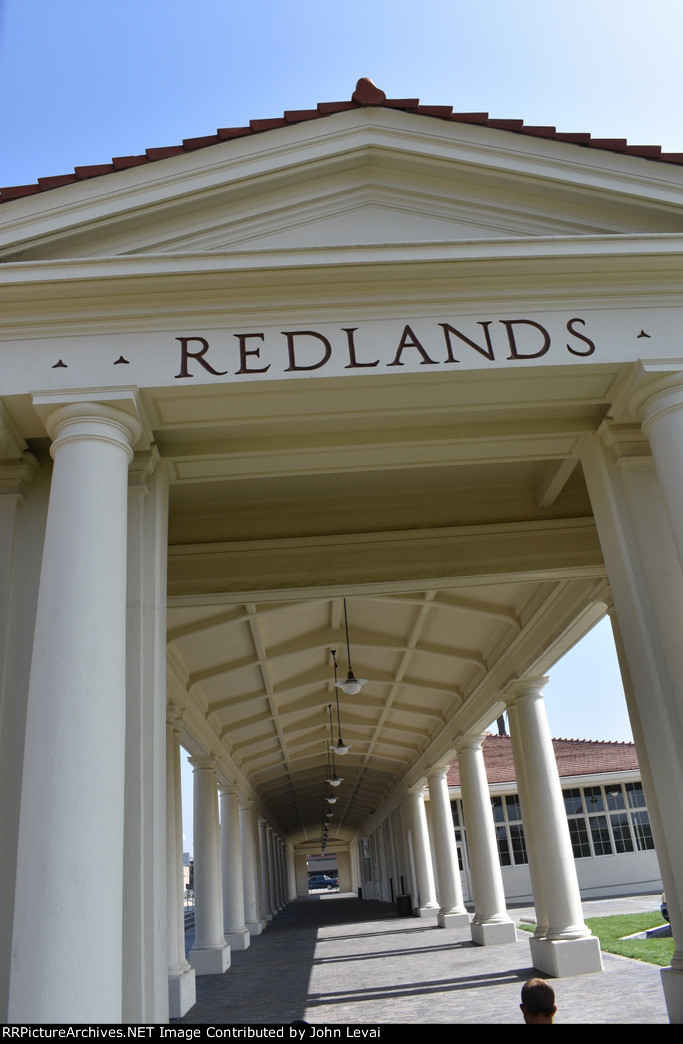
x=538 y=997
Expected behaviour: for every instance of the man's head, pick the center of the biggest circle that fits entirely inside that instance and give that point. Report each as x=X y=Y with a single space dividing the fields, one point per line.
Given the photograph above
x=538 y=1002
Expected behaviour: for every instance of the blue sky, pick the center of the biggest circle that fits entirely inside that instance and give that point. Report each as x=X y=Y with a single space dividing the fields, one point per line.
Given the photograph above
x=82 y=81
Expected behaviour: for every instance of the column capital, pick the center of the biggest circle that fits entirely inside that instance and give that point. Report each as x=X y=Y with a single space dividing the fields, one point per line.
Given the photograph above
x=521 y=687
x=657 y=395
x=174 y=714
x=116 y=416
x=472 y=740
x=439 y=772
x=203 y=762
x=12 y=444
x=143 y=466
x=228 y=788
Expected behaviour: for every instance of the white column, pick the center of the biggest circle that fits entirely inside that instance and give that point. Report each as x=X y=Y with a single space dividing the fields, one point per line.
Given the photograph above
x=72 y=806
x=210 y=954
x=277 y=873
x=427 y=903
x=291 y=873
x=252 y=919
x=568 y=947
x=526 y=804
x=145 y=950
x=452 y=913
x=660 y=407
x=281 y=872
x=234 y=929
x=24 y=492
x=181 y=975
x=646 y=582
x=491 y=923
x=266 y=909
x=270 y=846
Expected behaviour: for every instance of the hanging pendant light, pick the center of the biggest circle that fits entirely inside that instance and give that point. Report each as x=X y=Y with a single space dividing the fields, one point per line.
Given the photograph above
x=332 y=778
x=352 y=685
x=340 y=747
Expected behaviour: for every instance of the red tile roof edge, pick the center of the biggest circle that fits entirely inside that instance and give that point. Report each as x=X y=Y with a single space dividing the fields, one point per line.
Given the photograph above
x=574 y=758
x=365 y=95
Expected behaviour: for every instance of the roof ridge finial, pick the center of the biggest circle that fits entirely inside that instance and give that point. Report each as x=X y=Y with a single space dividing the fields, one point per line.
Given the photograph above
x=367 y=93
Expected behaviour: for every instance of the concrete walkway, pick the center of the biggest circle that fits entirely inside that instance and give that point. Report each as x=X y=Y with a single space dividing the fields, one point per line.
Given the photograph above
x=337 y=959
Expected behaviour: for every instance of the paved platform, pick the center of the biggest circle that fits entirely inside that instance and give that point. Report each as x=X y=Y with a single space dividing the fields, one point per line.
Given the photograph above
x=334 y=959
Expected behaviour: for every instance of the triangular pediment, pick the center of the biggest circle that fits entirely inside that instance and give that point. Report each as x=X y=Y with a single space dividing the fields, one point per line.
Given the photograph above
x=365 y=177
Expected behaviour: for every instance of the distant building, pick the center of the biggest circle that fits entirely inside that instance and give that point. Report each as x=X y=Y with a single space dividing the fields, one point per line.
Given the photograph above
x=608 y=819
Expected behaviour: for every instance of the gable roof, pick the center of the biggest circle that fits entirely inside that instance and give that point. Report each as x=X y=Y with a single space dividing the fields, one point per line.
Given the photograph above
x=573 y=757
x=366 y=94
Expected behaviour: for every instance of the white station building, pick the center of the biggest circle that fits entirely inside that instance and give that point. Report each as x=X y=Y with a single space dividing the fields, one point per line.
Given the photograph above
x=426 y=362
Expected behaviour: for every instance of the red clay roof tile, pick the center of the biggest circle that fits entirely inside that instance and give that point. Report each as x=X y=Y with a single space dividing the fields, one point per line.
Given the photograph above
x=573 y=757
x=93 y=171
x=57 y=180
x=123 y=162
x=365 y=94
x=190 y=144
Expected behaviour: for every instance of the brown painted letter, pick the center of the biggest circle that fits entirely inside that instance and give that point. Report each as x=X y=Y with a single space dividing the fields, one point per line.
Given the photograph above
x=487 y=352
x=409 y=340
x=353 y=363
x=291 y=334
x=186 y=355
x=591 y=346
x=514 y=353
x=244 y=352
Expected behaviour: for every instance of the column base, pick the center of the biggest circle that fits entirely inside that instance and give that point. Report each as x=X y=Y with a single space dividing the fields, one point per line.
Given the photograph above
x=210 y=960
x=672 y=984
x=454 y=920
x=182 y=993
x=564 y=957
x=493 y=933
x=255 y=927
x=239 y=939
x=426 y=911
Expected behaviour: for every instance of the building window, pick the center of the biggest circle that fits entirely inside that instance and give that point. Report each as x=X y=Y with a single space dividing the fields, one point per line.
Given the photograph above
x=625 y=827
x=458 y=814
x=507 y=817
x=604 y=820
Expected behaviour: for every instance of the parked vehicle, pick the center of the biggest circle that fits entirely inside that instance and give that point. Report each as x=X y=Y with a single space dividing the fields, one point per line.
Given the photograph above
x=322 y=881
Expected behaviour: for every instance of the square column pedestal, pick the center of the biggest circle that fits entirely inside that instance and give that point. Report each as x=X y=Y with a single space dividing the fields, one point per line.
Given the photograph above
x=453 y=920
x=493 y=933
x=564 y=957
x=182 y=993
x=213 y=960
x=672 y=984
x=239 y=939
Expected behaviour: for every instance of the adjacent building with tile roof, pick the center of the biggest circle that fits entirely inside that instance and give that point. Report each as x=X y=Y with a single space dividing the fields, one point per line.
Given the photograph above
x=608 y=819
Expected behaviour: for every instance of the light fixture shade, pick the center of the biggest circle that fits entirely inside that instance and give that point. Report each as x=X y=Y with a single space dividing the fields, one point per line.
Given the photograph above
x=341 y=748
x=332 y=800
x=334 y=781
x=351 y=685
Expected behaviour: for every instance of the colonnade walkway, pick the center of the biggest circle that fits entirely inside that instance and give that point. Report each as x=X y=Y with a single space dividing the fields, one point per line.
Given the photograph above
x=333 y=959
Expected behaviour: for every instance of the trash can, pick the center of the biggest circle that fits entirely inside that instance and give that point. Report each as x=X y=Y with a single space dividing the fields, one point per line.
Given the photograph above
x=404 y=905
x=360 y=893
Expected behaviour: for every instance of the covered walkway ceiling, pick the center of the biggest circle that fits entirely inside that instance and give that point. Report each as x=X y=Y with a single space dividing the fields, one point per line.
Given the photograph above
x=467 y=552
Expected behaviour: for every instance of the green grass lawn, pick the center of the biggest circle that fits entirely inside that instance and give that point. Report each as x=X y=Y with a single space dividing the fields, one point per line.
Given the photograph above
x=611 y=931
